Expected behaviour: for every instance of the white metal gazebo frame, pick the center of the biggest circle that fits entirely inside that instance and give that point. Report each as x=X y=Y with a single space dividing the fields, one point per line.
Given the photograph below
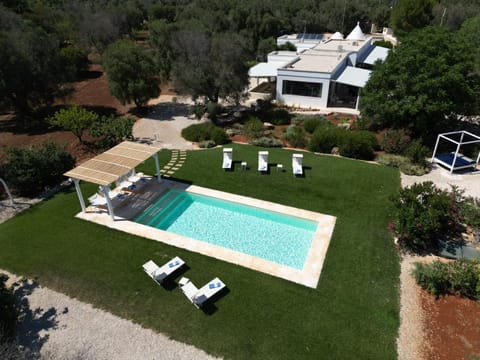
x=457 y=155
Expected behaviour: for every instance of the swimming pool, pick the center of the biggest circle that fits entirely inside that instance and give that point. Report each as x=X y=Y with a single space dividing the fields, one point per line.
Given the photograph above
x=269 y=235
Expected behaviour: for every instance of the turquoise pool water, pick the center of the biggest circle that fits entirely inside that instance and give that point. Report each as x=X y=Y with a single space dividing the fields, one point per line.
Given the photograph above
x=269 y=235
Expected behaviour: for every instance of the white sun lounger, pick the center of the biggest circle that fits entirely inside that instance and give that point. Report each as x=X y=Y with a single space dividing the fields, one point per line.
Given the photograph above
x=199 y=296
x=297 y=160
x=159 y=274
x=97 y=200
x=227 y=158
x=263 y=161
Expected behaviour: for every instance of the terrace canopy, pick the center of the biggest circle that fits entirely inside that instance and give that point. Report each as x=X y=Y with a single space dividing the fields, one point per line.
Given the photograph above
x=456 y=160
x=110 y=166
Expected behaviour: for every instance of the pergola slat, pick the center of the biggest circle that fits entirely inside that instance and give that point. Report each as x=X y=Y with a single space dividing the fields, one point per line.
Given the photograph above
x=107 y=167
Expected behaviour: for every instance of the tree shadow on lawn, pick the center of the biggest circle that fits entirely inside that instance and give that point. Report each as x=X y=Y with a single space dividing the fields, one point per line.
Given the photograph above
x=33 y=322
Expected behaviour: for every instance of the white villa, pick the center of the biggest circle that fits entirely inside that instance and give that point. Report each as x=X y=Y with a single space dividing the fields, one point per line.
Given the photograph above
x=324 y=73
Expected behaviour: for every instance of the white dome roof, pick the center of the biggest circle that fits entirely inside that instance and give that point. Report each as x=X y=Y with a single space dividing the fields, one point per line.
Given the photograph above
x=356 y=34
x=337 y=36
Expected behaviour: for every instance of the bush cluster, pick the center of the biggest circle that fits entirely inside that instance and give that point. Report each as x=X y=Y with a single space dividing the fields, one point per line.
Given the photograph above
x=403 y=163
x=30 y=171
x=265 y=141
x=205 y=131
x=417 y=153
x=358 y=144
x=394 y=141
x=278 y=116
x=253 y=128
x=296 y=137
x=311 y=124
x=425 y=213
x=460 y=277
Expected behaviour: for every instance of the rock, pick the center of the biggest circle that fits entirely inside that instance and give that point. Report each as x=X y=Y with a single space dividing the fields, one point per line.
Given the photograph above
x=268 y=125
x=335 y=151
x=345 y=126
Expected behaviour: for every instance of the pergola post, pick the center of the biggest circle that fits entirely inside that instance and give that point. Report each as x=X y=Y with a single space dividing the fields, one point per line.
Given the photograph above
x=79 y=194
x=106 y=190
x=157 y=165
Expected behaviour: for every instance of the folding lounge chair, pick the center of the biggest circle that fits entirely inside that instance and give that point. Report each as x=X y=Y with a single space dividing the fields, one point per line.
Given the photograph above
x=159 y=274
x=199 y=296
x=297 y=160
x=227 y=158
x=263 y=161
x=97 y=200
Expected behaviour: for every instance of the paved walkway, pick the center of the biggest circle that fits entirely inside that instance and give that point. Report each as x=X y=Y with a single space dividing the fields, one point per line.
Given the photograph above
x=468 y=181
x=177 y=160
x=164 y=125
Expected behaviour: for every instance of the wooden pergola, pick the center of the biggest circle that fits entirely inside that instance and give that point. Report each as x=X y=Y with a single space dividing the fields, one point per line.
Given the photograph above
x=110 y=166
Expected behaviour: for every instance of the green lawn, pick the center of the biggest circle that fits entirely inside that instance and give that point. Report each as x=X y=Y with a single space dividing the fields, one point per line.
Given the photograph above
x=353 y=313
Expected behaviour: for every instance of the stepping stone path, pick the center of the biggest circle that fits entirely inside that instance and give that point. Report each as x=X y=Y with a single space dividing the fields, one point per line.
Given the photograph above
x=177 y=160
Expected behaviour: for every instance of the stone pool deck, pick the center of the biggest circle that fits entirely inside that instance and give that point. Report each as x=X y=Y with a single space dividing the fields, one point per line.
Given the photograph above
x=308 y=276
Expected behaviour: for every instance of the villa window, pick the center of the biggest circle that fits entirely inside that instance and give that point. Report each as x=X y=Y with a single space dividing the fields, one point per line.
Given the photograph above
x=302 y=88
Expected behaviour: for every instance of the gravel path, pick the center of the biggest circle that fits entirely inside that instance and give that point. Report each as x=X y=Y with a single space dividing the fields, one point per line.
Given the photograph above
x=411 y=334
x=410 y=339
x=58 y=327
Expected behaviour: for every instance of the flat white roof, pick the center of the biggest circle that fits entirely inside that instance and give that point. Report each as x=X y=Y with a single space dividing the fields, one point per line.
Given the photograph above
x=268 y=69
x=377 y=53
x=354 y=76
x=326 y=56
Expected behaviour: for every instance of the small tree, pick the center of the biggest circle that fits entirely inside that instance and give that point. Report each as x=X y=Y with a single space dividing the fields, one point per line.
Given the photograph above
x=111 y=130
x=132 y=73
x=74 y=119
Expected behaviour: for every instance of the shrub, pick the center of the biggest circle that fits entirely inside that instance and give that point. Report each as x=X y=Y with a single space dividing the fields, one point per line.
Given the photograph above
x=417 y=153
x=213 y=109
x=219 y=136
x=253 y=128
x=358 y=145
x=311 y=124
x=279 y=117
x=432 y=277
x=403 y=163
x=414 y=169
x=424 y=213
x=459 y=277
x=392 y=160
x=394 y=141
x=29 y=171
x=198 y=110
x=296 y=136
x=325 y=138
x=197 y=132
x=470 y=211
x=206 y=144
x=111 y=131
x=266 y=142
